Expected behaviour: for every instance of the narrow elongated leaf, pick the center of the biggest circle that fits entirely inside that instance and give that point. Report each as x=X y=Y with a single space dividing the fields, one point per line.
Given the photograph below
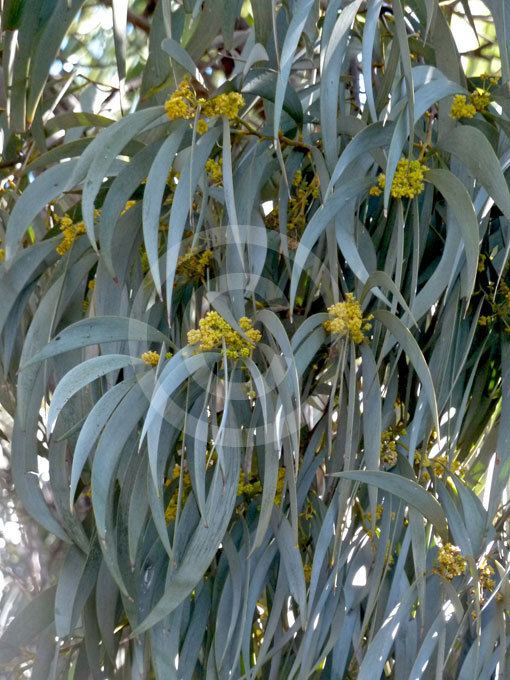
x=457 y=197
x=412 y=349
x=472 y=148
x=97 y=331
x=203 y=543
x=82 y=375
x=294 y=31
x=103 y=152
x=153 y=196
x=89 y=432
x=409 y=491
x=179 y=54
x=28 y=623
x=38 y=194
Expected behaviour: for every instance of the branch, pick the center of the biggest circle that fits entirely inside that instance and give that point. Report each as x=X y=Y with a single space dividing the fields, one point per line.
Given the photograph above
x=134 y=19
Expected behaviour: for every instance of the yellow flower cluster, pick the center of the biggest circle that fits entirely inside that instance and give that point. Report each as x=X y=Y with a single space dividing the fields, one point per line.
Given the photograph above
x=171 y=508
x=307 y=572
x=461 y=108
x=215 y=170
x=407 y=181
x=227 y=104
x=213 y=330
x=388 y=455
x=309 y=512
x=202 y=126
x=485 y=574
x=150 y=358
x=245 y=487
x=379 y=509
x=500 y=305
x=366 y=522
x=86 y=303
x=439 y=466
x=303 y=193
x=184 y=103
x=478 y=101
x=279 y=486
x=451 y=562
x=2 y=254
x=192 y=266
x=347 y=320
x=252 y=487
x=378 y=188
x=248 y=488
x=70 y=231
x=493 y=79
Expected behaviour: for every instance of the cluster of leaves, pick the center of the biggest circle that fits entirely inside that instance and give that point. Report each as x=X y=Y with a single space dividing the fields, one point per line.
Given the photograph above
x=258 y=327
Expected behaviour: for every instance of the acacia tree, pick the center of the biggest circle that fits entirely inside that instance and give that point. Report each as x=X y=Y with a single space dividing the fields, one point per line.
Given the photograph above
x=254 y=316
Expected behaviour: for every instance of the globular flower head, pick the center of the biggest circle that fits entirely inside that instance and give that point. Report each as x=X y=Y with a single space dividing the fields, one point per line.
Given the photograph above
x=202 y=126
x=379 y=187
x=304 y=191
x=480 y=99
x=227 y=104
x=408 y=179
x=451 y=562
x=193 y=265
x=150 y=358
x=367 y=517
x=177 y=108
x=347 y=320
x=461 y=108
x=388 y=455
x=485 y=574
x=215 y=170
x=440 y=465
x=70 y=232
x=248 y=487
x=213 y=331
x=182 y=102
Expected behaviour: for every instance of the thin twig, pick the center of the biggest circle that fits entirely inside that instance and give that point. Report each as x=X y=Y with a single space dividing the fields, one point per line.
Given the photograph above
x=134 y=19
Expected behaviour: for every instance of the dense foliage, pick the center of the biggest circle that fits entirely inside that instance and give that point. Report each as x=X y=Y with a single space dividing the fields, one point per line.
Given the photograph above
x=255 y=317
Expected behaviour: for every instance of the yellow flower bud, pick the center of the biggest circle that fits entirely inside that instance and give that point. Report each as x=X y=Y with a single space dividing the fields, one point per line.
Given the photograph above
x=461 y=109
x=150 y=358
x=347 y=320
